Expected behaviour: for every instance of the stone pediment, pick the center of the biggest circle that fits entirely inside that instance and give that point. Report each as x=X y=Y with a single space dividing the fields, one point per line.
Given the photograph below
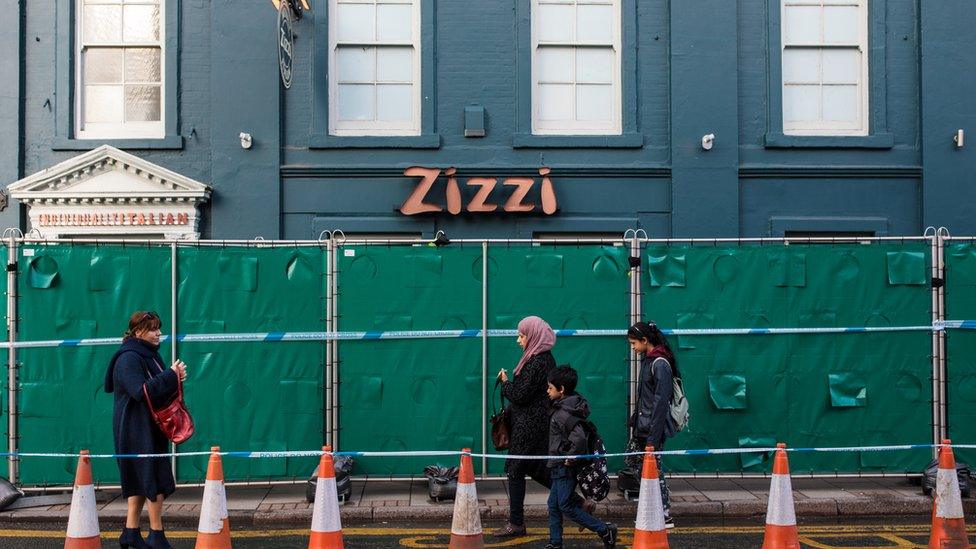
x=107 y=175
x=112 y=193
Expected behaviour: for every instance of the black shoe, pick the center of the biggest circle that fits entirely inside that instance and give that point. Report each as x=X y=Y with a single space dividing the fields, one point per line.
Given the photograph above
x=132 y=537
x=609 y=536
x=668 y=522
x=157 y=540
x=551 y=546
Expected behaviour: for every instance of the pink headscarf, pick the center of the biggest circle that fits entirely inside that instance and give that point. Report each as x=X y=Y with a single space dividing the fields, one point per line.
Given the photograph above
x=539 y=338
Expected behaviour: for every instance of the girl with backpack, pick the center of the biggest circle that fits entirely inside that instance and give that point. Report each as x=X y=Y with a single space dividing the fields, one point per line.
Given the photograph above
x=651 y=422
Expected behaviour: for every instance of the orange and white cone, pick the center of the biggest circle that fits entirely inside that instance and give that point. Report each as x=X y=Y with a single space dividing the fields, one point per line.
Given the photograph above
x=83 y=532
x=649 y=530
x=326 y=526
x=213 y=531
x=948 y=524
x=466 y=523
x=780 y=512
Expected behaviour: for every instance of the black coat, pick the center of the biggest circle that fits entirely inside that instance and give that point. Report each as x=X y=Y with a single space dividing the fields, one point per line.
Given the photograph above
x=530 y=408
x=652 y=419
x=136 y=364
x=563 y=440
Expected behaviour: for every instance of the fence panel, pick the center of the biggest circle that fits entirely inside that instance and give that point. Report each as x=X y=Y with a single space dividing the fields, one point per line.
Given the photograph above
x=571 y=287
x=960 y=265
x=253 y=395
x=807 y=390
x=69 y=292
x=420 y=394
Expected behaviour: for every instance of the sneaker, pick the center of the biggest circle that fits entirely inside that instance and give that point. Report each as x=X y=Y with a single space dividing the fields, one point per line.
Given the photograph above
x=551 y=546
x=509 y=530
x=609 y=536
x=668 y=522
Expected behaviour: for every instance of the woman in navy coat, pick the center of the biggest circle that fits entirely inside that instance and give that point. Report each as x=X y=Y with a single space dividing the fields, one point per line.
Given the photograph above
x=136 y=370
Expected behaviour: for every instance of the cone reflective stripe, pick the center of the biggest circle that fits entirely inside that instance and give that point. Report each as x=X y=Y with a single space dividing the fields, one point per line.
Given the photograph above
x=780 y=513
x=948 y=523
x=213 y=531
x=83 y=532
x=649 y=530
x=466 y=523
x=326 y=526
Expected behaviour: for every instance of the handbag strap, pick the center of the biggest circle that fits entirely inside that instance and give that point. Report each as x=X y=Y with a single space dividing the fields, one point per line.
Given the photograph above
x=179 y=393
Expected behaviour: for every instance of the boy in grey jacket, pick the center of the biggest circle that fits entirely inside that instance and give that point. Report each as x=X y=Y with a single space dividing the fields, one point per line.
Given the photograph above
x=568 y=438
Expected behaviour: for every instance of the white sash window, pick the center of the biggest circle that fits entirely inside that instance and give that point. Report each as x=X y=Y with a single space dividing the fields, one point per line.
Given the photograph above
x=119 y=60
x=825 y=67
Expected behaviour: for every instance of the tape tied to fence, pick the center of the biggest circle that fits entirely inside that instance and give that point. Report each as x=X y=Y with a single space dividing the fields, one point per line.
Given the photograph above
x=456 y=453
x=468 y=334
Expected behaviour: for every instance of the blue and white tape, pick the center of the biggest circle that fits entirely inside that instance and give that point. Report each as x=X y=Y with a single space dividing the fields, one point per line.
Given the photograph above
x=469 y=334
x=455 y=453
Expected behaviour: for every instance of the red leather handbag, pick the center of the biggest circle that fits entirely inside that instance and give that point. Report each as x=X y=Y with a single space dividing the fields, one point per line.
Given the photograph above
x=174 y=419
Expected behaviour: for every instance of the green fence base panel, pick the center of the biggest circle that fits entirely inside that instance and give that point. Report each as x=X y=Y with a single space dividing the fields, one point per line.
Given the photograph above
x=253 y=396
x=789 y=377
x=78 y=292
x=960 y=265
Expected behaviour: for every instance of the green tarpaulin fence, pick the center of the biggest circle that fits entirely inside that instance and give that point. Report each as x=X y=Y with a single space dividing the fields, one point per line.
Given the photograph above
x=748 y=390
x=807 y=390
x=960 y=291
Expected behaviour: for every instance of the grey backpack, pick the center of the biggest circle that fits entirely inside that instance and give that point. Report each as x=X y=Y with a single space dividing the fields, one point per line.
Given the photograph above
x=679 y=406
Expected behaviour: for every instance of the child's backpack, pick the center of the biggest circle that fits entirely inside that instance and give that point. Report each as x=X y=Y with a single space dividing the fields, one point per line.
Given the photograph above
x=591 y=473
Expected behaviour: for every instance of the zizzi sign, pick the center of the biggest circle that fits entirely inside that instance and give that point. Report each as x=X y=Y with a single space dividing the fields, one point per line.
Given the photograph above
x=417 y=202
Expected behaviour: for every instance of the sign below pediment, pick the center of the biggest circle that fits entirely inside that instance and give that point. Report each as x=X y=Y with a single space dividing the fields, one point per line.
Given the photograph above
x=108 y=192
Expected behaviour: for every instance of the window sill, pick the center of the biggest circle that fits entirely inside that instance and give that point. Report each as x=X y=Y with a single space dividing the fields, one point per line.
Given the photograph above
x=623 y=141
x=170 y=142
x=778 y=140
x=427 y=141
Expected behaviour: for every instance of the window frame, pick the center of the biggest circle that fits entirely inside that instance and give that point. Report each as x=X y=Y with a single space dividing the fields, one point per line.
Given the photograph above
x=321 y=138
x=825 y=128
x=577 y=127
x=121 y=130
x=68 y=63
x=630 y=136
x=877 y=135
x=375 y=127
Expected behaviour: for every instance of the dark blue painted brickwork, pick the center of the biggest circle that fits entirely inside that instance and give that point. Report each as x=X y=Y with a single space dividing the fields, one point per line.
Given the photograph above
x=694 y=68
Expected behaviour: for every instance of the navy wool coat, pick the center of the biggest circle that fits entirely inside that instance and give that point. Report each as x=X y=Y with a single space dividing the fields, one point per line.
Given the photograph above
x=135 y=365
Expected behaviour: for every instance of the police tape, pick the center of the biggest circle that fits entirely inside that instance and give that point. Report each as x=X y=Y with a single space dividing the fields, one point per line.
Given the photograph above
x=456 y=453
x=470 y=334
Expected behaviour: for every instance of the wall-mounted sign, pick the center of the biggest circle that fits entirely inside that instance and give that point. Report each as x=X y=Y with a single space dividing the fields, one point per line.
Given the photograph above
x=286 y=41
x=417 y=202
x=95 y=219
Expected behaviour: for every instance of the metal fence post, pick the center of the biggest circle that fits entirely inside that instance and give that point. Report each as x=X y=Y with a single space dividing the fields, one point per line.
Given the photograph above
x=936 y=350
x=174 y=354
x=940 y=234
x=13 y=462
x=329 y=343
x=334 y=315
x=484 y=358
x=635 y=314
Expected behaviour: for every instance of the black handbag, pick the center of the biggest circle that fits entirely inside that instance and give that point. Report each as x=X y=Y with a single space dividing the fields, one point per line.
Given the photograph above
x=500 y=421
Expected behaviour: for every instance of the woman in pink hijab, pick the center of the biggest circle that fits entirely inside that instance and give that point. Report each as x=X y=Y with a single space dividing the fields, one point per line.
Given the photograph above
x=529 y=417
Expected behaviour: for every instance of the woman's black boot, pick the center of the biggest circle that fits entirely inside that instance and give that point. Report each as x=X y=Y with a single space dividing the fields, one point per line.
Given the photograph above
x=157 y=540
x=132 y=537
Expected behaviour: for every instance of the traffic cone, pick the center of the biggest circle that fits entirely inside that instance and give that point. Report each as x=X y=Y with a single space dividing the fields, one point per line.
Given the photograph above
x=780 y=513
x=83 y=532
x=214 y=529
x=326 y=527
x=466 y=524
x=649 y=530
x=948 y=524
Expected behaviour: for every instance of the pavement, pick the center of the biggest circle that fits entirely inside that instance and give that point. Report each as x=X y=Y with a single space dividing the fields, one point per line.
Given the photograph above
x=396 y=500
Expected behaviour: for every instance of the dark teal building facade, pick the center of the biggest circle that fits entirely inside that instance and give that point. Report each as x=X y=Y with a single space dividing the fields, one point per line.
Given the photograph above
x=687 y=69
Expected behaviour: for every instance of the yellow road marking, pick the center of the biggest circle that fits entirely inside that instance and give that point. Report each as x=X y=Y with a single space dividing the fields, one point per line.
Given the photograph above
x=889 y=532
